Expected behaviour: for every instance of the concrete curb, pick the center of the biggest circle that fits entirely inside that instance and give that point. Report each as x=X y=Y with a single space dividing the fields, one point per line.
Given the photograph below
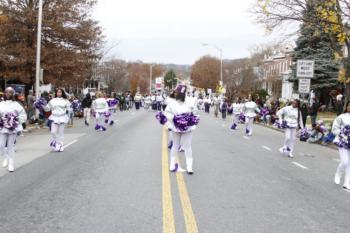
x=332 y=146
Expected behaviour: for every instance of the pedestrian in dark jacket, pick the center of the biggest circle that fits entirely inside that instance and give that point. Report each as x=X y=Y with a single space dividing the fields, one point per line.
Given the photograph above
x=86 y=105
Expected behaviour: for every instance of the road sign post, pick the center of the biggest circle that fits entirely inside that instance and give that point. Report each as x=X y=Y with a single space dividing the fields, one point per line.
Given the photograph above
x=305 y=71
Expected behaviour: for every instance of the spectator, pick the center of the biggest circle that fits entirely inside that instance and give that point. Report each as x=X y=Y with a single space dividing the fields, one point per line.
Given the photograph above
x=304 y=113
x=340 y=104
x=314 y=111
x=86 y=105
x=31 y=108
x=316 y=134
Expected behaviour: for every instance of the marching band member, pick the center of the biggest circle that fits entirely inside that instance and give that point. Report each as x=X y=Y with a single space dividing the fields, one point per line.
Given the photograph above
x=12 y=116
x=100 y=109
x=207 y=103
x=237 y=110
x=59 y=107
x=293 y=120
x=249 y=109
x=181 y=121
x=341 y=128
x=137 y=100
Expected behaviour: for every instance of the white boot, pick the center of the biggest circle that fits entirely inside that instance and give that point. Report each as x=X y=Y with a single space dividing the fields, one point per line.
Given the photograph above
x=347 y=181
x=6 y=162
x=337 y=177
x=189 y=164
x=11 y=167
x=172 y=166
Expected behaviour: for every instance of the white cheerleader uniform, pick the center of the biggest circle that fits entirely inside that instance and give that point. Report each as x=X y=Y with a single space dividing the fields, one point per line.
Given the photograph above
x=237 y=109
x=100 y=108
x=249 y=109
x=8 y=135
x=183 y=138
x=59 y=108
x=290 y=115
x=339 y=123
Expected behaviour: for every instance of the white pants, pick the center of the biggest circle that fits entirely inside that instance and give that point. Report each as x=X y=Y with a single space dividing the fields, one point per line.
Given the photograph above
x=10 y=138
x=235 y=119
x=87 y=114
x=249 y=121
x=290 y=137
x=344 y=164
x=185 y=140
x=100 y=118
x=57 y=131
x=111 y=117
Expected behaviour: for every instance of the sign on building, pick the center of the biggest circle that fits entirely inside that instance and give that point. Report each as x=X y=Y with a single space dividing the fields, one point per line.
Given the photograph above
x=305 y=68
x=304 y=85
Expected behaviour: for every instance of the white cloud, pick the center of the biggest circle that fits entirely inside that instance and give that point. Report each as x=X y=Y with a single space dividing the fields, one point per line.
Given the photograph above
x=173 y=31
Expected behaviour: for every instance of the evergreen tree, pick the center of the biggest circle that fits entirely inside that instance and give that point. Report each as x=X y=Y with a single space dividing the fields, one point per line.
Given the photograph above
x=314 y=44
x=170 y=79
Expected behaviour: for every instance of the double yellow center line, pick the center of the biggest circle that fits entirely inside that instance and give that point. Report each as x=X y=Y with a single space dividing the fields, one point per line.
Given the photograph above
x=168 y=210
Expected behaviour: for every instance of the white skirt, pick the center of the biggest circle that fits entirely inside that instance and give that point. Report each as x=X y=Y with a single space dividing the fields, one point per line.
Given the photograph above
x=59 y=119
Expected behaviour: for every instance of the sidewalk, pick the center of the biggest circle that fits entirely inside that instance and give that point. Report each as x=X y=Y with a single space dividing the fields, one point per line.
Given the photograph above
x=35 y=144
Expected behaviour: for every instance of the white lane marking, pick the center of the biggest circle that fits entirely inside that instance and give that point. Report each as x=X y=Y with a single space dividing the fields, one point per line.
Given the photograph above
x=69 y=144
x=299 y=165
x=267 y=148
x=336 y=160
x=246 y=137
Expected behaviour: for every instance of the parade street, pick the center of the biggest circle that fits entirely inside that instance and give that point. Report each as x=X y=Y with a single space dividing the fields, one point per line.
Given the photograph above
x=122 y=183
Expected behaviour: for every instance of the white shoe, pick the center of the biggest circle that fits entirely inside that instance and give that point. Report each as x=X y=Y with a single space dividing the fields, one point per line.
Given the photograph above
x=5 y=163
x=290 y=155
x=61 y=149
x=337 y=178
x=11 y=167
x=281 y=150
x=346 y=186
x=189 y=164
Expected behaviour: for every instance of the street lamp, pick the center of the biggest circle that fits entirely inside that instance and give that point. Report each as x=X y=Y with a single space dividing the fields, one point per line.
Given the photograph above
x=150 y=79
x=220 y=50
x=38 y=50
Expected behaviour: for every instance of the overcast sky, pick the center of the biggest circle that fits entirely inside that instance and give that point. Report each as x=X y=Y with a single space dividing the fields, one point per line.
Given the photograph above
x=165 y=31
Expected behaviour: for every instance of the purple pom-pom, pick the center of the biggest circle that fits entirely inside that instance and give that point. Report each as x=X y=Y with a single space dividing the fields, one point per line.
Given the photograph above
x=184 y=121
x=40 y=103
x=9 y=121
x=161 y=118
x=279 y=125
x=344 y=138
x=76 y=104
x=264 y=112
x=112 y=102
x=241 y=118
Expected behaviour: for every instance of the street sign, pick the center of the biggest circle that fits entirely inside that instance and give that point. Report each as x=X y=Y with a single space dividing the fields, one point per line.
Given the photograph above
x=305 y=68
x=304 y=85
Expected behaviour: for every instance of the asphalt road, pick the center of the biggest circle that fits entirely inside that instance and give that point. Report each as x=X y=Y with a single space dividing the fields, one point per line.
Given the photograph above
x=117 y=181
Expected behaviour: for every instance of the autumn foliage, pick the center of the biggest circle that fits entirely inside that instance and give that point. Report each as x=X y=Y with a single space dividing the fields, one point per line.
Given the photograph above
x=71 y=41
x=206 y=72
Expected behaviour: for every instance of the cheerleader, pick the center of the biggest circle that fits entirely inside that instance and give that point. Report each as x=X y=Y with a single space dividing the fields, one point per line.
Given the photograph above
x=293 y=120
x=100 y=109
x=249 y=109
x=237 y=111
x=112 y=107
x=12 y=116
x=341 y=128
x=181 y=121
x=59 y=107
